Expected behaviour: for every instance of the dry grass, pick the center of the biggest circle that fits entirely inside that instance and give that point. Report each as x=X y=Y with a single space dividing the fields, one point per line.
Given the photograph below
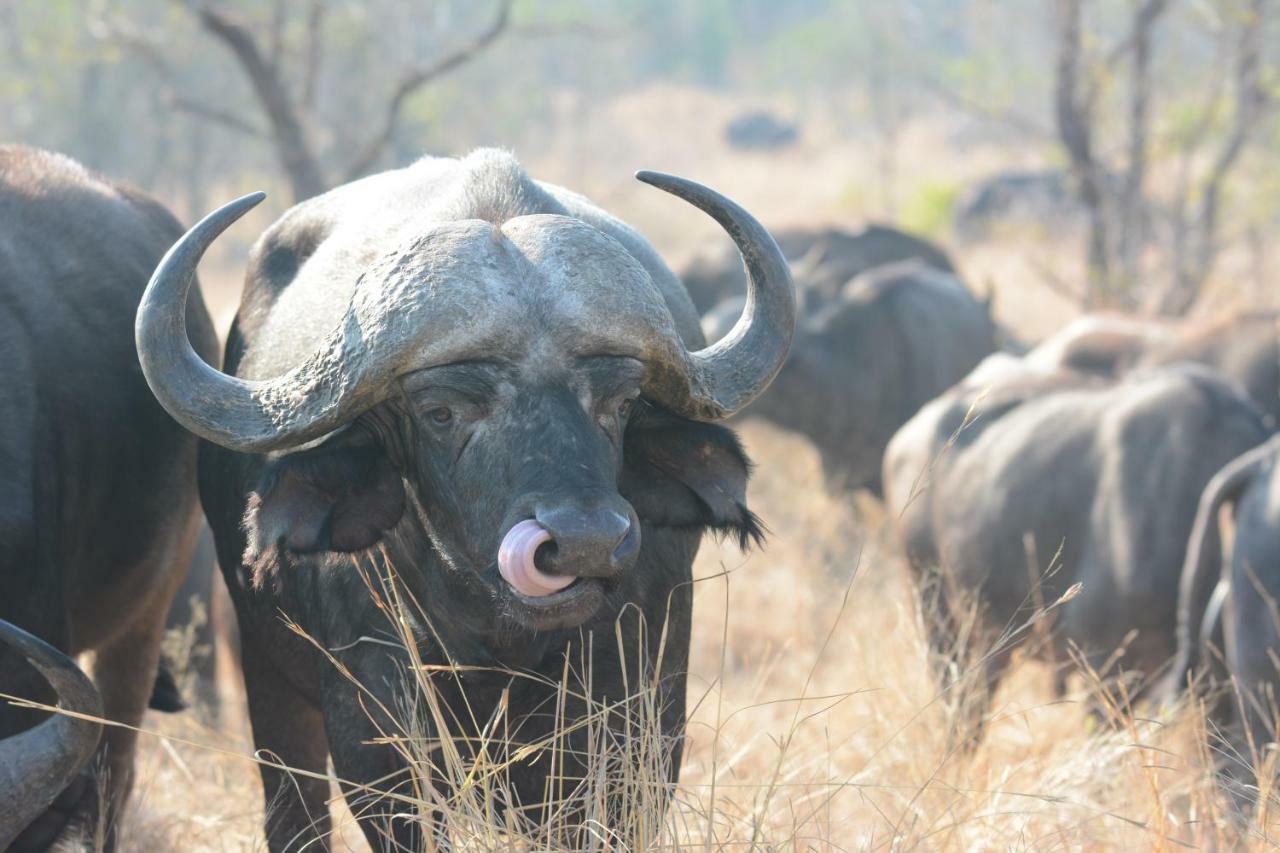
x=816 y=723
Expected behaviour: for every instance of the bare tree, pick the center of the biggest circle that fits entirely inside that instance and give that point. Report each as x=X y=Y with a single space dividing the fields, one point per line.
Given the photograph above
x=1115 y=196
x=292 y=127
x=1196 y=235
x=1075 y=101
x=1116 y=215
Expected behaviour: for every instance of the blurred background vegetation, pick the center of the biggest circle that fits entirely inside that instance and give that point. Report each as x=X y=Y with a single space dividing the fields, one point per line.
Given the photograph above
x=901 y=108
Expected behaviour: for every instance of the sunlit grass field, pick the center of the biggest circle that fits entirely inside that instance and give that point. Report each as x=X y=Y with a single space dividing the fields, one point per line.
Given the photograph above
x=815 y=723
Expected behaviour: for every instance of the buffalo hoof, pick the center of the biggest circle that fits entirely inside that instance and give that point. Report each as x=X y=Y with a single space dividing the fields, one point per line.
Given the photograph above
x=165 y=695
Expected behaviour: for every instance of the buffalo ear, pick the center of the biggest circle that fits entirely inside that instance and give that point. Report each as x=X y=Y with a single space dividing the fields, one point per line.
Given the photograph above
x=336 y=497
x=682 y=473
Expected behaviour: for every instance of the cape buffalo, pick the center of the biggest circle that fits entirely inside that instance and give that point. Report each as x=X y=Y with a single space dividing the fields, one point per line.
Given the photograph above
x=1227 y=599
x=863 y=364
x=202 y=643
x=824 y=259
x=496 y=394
x=1044 y=198
x=97 y=500
x=1103 y=344
x=1244 y=347
x=760 y=130
x=1057 y=479
x=37 y=765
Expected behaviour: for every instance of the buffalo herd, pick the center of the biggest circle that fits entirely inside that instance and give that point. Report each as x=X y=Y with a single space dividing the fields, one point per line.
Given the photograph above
x=481 y=396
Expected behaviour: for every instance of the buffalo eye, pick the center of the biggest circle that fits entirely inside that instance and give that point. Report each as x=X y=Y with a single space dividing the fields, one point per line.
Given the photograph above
x=440 y=415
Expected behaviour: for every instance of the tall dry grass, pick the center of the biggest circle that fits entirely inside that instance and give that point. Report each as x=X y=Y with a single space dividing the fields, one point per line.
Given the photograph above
x=815 y=724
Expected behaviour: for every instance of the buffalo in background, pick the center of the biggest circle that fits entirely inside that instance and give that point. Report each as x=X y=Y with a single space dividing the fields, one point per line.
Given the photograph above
x=1044 y=198
x=1243 y=346
x=823 y=261
x=866 y=359
x=1228 y=617
x=200 y=658
x=1029 y=478
x=98 y=509
x=760 y=130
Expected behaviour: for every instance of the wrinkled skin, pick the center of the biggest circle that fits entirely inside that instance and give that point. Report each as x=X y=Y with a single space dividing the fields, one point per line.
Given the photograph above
x=823 y=260
x=863 y=364
x=1065 y=470
x=432 y=478
x=1227 y=620
x=97 y=502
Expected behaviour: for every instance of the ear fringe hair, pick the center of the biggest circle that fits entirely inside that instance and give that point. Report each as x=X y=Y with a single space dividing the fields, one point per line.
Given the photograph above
x=749 y=530
x=265 y=564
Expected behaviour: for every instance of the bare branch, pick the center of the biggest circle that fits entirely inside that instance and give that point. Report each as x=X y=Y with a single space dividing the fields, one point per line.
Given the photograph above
x=1131 y=214
x=313 y=53
x=148 y=49
x=418 y=77
x=290 y=139
x=1073 y=293
x=1007 y=118
x=275 y=51
x=1251 y=104
x=1074 y=109
x=1144 y=19
x=225 y=118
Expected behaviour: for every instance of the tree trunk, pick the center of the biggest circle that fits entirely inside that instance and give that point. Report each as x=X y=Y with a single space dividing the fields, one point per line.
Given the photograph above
x=293 y=149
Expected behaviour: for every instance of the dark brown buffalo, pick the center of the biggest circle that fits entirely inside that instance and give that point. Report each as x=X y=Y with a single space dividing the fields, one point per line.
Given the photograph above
x=38 y=764
x=498 y=394
x=823 y=261
x=201 y=660
x=1244 y=347
x=1031 y=469
x=1228 y=619
x=97 y=498
x=864 y=362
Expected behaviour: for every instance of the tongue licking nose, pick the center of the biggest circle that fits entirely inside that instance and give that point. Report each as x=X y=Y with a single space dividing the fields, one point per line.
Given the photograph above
x=515 y=561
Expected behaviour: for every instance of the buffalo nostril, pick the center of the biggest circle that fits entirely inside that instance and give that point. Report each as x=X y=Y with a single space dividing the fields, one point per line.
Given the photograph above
x=587 y=542
x=545 y=557
x=628 y=547
x=623 y=529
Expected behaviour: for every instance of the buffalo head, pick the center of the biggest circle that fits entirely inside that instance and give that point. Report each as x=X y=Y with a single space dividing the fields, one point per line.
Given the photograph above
x=524 y=379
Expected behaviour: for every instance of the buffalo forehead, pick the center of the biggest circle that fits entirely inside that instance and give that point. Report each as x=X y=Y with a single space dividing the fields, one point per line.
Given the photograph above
x=536 y=281
x=582 y=272
x=483 y=292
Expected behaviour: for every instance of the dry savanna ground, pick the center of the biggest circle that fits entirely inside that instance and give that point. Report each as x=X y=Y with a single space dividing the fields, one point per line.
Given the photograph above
x=816 y=724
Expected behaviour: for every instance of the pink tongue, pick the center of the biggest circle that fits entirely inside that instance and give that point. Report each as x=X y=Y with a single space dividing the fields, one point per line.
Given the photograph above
x=515 y=561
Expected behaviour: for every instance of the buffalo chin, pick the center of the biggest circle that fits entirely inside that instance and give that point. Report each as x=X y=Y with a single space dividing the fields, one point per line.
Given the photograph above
x=568 y=608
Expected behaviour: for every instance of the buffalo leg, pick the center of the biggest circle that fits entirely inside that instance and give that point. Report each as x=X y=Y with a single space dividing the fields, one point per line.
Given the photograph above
x=360 y=764
x=289 y=730
x=967 y=672
x=125 y=671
